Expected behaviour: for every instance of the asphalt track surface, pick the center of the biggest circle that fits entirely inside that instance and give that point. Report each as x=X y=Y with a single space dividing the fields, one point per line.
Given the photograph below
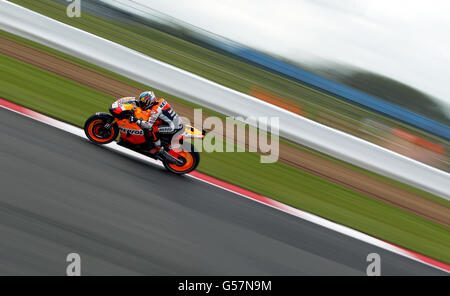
x=60 y=194
x=300 y=160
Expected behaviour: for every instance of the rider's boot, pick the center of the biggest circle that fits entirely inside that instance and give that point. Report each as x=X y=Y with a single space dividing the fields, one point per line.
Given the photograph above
x=154 y=147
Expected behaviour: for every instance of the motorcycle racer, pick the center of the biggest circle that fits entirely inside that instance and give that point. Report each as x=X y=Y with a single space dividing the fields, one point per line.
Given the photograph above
x=154 y=108
x=141 y=121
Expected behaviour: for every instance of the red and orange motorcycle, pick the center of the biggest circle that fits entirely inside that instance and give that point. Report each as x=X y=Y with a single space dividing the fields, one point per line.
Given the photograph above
x=103 y=128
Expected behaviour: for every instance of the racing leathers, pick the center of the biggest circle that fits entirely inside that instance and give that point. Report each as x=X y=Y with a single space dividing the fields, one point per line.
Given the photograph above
x=171 y=123
x=164 y=111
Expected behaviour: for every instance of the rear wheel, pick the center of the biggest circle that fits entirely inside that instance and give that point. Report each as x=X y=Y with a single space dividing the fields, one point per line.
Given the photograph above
x=95 y=130
x=190 y=158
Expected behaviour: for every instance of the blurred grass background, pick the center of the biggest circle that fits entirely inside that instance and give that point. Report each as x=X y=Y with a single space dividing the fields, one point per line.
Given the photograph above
x=67 y=100
x=80 y=119
x=246 y=78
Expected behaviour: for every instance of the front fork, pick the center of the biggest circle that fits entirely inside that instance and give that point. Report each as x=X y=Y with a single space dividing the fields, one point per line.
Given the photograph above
x=108 y=125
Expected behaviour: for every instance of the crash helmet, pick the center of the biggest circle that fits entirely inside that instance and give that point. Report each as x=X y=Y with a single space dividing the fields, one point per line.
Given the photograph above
x=146 y=99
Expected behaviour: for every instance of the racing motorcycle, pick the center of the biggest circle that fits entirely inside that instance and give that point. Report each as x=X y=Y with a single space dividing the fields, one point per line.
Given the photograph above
x=103 y=128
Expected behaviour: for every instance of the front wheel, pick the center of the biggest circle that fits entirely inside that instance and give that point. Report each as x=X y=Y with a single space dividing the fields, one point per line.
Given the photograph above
x=95 y=130
x=190 y=157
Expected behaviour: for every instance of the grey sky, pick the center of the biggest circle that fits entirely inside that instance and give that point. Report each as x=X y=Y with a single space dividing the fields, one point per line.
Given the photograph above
x=408 y=40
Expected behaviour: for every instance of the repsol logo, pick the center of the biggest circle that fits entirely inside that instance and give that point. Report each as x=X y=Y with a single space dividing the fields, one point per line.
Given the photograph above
x=131 y=131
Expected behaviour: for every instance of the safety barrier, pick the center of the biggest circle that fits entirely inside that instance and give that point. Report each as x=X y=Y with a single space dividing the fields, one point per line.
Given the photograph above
x=134 y=65
x=347 y=93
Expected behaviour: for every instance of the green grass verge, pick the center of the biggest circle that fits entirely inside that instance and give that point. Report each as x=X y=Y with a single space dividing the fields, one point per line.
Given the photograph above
x=382 y=178
x=209 y=112
x=64 y=99
x=217 y=67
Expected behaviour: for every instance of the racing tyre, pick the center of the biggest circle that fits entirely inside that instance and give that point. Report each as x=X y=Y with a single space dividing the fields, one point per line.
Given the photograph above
x=95 y=130
x=190 y=157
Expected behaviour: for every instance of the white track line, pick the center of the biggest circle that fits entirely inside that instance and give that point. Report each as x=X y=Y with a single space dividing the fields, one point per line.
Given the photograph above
x=240 y=191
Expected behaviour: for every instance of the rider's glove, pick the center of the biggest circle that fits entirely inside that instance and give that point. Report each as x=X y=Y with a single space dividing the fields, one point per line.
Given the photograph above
x=133 y=119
